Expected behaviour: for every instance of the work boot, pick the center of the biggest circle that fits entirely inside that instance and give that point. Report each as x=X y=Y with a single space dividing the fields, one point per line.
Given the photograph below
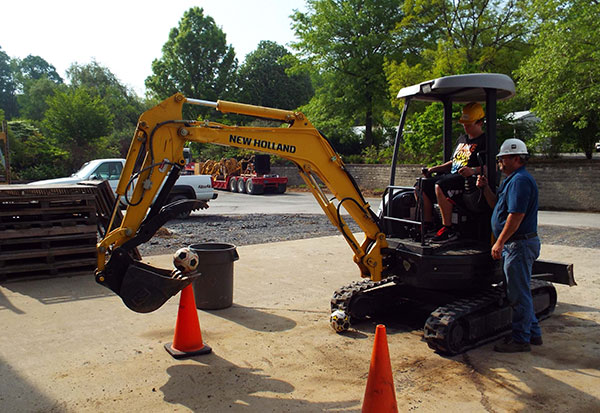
x=536 y=341
x=445 y=234
x=509 y=345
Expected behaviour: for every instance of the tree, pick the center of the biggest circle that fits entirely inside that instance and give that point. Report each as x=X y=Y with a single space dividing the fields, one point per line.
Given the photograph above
x=78 y=121
x=33 y=155
x=196 y=60
x=100 y=81
x=34 y=68
x=33 y=101
x=443 y=37
x=349 y=40
x=123 y=103
x=35 y=81
x=263 y=80
x=8 y=87
x=562 y=75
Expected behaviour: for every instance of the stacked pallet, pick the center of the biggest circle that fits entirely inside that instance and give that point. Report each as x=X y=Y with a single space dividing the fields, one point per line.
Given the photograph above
x=47 y=231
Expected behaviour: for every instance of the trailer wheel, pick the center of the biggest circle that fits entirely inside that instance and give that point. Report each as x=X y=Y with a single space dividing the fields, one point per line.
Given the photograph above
x=281 y=188
x=233 y=187
x=241 y=185
x=254 y=189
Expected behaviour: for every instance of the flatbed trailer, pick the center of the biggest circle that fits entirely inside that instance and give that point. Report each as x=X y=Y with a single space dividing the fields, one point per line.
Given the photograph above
x=252 y=184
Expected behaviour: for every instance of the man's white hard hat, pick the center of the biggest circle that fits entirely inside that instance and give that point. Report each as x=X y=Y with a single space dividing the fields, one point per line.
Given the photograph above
x=513 y=147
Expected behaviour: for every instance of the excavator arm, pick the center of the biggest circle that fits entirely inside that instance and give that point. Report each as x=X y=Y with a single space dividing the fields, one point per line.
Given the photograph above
x=156 y=156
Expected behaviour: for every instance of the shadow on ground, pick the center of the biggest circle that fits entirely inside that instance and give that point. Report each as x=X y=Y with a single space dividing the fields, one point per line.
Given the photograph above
x=55 y=290
x=254 y=318
x=219 y=385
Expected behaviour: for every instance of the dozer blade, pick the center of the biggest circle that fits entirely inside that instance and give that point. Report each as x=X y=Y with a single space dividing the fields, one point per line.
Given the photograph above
x=555 y=272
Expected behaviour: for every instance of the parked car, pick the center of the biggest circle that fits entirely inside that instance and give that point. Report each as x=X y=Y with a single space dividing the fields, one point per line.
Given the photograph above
x=186 y=187
x=597 y=146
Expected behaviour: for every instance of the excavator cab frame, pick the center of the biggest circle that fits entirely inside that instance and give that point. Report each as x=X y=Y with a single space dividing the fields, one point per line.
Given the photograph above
x=482 y=88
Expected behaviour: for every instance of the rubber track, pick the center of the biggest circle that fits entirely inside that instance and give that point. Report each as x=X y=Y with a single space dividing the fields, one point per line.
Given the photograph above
x=440 y=322
x=342 y=296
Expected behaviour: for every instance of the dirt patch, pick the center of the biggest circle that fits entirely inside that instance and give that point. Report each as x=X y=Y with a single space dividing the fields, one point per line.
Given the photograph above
x=262 y=228
x=70 y=345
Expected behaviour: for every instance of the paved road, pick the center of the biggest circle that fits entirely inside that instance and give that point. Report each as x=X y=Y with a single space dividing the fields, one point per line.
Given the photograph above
x=304 y=203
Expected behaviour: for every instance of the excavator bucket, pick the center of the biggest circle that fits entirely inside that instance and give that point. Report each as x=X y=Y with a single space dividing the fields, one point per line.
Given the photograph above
x=145 y=288
x=142 y=287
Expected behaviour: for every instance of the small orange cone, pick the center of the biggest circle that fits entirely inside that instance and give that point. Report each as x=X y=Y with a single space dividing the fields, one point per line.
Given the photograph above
x=187 y=341
x=380 y=395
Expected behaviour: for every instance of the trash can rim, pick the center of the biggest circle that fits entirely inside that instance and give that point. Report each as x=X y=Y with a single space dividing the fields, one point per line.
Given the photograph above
x=211 y=246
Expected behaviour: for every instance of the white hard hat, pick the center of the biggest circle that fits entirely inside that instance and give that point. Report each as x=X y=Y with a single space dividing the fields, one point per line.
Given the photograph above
x=513 y=147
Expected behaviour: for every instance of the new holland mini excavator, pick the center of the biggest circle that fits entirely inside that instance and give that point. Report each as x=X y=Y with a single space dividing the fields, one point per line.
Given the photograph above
x=458 y=283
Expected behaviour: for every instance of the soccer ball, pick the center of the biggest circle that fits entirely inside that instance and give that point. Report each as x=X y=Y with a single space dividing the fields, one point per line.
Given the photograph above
x=185 y=260
x=339 y=321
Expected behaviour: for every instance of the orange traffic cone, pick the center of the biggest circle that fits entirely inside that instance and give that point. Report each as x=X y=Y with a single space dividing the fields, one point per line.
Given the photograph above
x=380 y=395
x=187 y=341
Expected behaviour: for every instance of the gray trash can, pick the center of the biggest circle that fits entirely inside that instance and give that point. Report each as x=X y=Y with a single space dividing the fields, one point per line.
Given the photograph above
x=213 y=290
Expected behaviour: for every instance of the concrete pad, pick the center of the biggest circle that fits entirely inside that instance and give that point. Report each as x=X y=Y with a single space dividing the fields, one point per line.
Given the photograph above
x=70 y=345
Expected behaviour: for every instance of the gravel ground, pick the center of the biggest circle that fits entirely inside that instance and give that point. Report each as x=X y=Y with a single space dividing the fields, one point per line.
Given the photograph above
x=261 y=228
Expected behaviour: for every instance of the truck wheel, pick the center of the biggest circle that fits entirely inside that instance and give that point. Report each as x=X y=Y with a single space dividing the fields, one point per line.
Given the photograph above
x=241 y=186
x=281 y=188
x=233 y=187
x=179 y=197
x=254 y=189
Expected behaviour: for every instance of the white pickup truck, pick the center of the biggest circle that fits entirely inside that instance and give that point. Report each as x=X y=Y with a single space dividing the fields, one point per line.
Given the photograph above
x=186 y=187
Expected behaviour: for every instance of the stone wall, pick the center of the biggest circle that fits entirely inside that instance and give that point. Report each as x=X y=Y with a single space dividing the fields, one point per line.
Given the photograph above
x=565 y=186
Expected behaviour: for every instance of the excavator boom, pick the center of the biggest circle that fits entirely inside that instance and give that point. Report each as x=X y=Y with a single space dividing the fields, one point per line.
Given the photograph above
x=156 y=155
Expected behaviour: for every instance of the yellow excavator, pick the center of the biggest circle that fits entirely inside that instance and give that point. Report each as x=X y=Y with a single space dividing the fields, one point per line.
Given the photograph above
x=459 y=284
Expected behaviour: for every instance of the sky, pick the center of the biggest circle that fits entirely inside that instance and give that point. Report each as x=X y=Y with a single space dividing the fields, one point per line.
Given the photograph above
x=126 y=35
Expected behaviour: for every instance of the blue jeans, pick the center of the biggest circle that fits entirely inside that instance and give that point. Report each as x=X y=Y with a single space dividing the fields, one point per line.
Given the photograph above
x=518 y=262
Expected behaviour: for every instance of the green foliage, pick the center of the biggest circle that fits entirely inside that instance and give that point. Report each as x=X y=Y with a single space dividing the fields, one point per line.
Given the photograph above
x=123 y=103
x=263 y=80
x=347 y=41
x=78 y=120
x=8 y=101
x=566 y=93
x=442 y=38
x=336 y=127
x=448 y=37
x=34 y=156
x=33 y=102
x=374 y=155
x=196 y=61
x=422 y=140
x=34 y=68
x=203 y=152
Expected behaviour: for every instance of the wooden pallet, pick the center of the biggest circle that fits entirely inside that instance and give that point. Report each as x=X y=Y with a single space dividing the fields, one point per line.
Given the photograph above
x=48 y=256
x=51 y=231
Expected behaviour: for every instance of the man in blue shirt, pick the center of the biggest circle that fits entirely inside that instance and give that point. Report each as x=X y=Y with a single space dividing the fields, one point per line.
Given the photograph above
x=514 y=224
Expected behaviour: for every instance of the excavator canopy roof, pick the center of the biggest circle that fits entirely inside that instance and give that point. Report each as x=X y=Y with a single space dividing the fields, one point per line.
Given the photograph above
x=461 y=88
